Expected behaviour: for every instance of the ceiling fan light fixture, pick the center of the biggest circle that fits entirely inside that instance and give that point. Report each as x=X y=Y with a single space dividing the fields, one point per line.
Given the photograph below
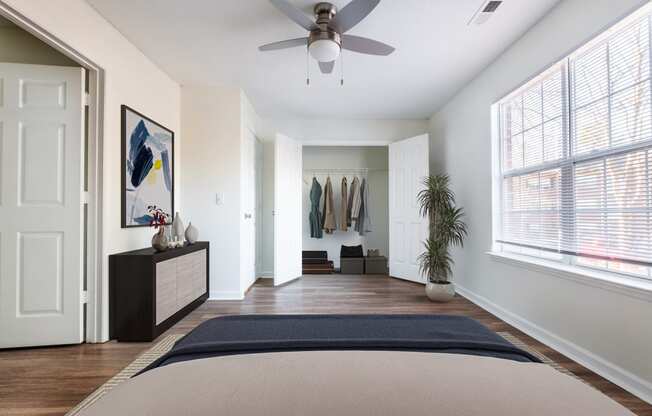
x=324 y=50
x=327 y=34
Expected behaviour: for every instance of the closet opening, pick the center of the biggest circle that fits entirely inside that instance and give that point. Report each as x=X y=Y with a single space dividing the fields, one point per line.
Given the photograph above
x=345 y=210
x=393 y=227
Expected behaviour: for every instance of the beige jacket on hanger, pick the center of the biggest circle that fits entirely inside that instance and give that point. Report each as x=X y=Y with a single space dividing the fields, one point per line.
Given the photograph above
x=330 y=223
x=356 y=201
x=344 y=205
x=355 y=184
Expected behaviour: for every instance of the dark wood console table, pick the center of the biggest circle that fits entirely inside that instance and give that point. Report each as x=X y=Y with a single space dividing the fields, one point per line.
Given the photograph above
x=149 y=291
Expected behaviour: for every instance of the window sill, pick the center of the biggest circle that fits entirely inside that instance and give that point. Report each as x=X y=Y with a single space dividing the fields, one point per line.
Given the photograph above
x=613 y=282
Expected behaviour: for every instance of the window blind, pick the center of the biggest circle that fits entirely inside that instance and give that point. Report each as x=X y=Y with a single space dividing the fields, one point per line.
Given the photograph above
x=576 y=152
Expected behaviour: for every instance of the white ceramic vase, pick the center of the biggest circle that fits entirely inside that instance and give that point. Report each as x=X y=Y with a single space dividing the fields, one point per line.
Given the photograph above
x=177 y=228
x=192 y=233
x=440 y=292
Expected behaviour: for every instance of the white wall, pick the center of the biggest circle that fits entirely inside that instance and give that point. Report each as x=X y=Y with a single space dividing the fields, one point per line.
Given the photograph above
x=327 y=157
x=321 y=131
x=343 y=131
x=608 y=330
x=214 y=120
x=211 y=120
x=130 y=78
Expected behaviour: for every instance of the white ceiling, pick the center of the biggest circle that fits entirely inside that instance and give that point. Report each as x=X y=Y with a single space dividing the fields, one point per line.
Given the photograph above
x=214 y=42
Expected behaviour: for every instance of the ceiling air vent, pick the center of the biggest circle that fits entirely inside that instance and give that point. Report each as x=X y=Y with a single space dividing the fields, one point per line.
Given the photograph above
x=484 y=12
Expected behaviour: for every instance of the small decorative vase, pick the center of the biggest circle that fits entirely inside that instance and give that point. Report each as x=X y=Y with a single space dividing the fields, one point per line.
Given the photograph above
x=160 y=240
x=192 y=233
x=177 y=228
x=440 y=292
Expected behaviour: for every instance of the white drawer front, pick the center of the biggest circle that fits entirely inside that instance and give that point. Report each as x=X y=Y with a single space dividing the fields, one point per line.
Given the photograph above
x=166 y=289
x=179 y=281
x=185 y=273
x=199 y=278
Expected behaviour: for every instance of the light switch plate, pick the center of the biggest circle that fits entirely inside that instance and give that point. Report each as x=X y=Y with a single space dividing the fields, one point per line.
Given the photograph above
x=219 y=198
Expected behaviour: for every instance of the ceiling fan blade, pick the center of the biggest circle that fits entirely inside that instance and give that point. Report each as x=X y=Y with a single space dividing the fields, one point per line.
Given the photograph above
x=326 y=67
x=352 y=14
x=295 y=14
x=284 y=44
x=365 y=45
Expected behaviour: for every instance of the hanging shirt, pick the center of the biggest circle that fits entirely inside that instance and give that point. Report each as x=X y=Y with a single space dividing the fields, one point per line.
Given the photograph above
x=355 y=204
x=330 y=223
x=343 y=205
x=355 y=185
x=315 y=215
x=363 y=222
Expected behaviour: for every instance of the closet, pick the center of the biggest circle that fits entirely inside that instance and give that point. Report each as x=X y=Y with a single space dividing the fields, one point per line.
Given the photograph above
x=394 y=173
x=364 y=168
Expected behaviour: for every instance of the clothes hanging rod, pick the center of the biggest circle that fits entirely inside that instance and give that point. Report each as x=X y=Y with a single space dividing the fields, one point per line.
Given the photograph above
x=357 y=170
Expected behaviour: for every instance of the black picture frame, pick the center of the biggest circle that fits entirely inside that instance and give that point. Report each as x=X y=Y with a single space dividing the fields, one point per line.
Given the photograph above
x=123 y=164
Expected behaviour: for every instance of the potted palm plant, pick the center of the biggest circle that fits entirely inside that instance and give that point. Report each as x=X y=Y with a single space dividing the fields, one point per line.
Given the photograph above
x=437 y=203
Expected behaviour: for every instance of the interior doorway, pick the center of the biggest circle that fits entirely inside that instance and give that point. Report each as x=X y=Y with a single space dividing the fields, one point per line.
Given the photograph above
x=407 y=164
x=50 y=193
x=349 y=170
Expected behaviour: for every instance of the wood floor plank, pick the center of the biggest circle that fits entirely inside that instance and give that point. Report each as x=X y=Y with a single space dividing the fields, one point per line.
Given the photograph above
x=50 y=381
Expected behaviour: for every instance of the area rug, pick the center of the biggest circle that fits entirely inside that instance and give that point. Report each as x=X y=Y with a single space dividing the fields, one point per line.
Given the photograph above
x=166 y=344
x=138 y=364
x=544 y=359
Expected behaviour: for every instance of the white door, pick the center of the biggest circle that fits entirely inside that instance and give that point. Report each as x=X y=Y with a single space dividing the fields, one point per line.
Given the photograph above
x=258 y=216
x=408 y=165
x=287 y=209
x=40 y=205
x=248 y=224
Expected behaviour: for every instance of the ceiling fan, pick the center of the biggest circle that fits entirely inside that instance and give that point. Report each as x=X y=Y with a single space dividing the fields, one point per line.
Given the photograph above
x=327 y=35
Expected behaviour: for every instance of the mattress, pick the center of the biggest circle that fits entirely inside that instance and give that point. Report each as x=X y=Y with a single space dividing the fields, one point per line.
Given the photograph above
x=354 y=383
x=350 y=365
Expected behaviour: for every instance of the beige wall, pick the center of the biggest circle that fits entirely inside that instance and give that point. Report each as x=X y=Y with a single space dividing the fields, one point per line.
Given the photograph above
x=18 y=46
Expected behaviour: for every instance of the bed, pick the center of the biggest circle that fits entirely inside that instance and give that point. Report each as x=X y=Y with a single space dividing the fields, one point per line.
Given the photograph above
x=350 y=364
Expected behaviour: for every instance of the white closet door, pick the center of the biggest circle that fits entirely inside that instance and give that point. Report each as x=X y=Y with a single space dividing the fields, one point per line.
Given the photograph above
x=248 y=215
x=287 y=209
x=408 y=165
x=40 y=205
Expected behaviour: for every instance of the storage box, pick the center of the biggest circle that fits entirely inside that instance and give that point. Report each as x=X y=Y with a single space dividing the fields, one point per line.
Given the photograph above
x=352 y=265
x=375 y=265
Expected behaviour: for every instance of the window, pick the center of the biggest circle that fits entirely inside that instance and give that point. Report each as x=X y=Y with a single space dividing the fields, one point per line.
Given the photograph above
x=576 y=156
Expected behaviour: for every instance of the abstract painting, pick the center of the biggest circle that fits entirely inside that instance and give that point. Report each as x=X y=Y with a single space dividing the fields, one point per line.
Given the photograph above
x=147 y=169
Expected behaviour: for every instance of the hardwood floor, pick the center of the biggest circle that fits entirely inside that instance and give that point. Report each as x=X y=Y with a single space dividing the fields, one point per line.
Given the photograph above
x=50 y=381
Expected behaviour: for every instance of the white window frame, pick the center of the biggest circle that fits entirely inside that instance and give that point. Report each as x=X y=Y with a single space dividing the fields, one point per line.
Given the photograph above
x=560 y=265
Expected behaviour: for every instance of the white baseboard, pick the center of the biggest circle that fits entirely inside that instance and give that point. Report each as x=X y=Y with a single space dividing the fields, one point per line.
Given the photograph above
x=266 y=275
x=617 y=375
x=225 y=295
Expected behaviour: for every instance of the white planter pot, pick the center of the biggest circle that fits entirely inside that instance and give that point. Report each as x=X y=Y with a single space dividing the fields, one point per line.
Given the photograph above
x=437 y=292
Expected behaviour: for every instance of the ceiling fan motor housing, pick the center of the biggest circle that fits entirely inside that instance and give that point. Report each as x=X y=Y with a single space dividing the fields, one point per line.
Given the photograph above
x=324 y=43
x=324 y=12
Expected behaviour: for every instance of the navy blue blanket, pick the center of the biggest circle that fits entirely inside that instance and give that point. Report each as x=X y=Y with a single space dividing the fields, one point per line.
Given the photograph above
x=248 y=334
